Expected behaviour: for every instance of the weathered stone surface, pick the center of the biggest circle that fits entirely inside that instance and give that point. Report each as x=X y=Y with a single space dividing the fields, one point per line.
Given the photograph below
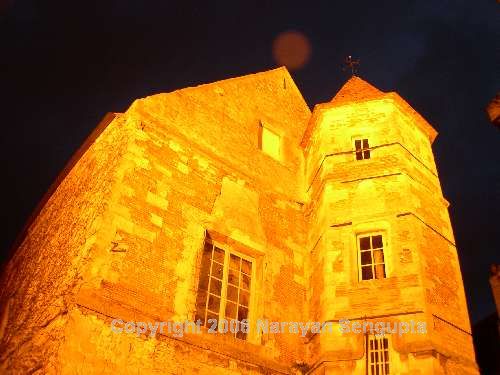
x=121 y=237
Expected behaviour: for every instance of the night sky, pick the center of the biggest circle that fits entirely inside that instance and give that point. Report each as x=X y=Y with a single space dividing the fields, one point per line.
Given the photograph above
x=64 y=64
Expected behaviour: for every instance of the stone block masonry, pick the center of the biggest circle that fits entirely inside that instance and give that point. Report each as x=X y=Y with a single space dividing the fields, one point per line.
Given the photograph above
x=125 y=230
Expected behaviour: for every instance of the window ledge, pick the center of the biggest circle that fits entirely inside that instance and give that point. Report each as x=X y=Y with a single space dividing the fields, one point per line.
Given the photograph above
x=240 y=350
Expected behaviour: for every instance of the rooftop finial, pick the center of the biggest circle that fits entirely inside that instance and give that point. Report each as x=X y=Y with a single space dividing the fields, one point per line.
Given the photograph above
x=351 y=64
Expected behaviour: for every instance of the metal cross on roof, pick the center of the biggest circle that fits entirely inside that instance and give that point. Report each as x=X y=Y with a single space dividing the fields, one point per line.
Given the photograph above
x=351 y=64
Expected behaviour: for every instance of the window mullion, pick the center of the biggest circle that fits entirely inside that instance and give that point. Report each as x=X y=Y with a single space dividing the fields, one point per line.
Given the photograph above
x=225 y=275
x=209 y=282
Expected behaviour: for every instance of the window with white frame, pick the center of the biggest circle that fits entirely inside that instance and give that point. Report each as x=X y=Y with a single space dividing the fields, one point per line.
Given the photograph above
x=269 y=142
x=371 y=256
x=377 y=355
x=362 y=149
x=224 y=287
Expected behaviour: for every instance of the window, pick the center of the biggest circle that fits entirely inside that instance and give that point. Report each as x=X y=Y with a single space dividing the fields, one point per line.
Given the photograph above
x=371 y=257
x=377 y=355
x=270 y=142
x=224 y=287
x=362 y=149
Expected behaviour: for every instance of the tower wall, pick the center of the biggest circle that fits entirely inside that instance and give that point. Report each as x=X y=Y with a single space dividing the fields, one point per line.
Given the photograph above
x=396 y=192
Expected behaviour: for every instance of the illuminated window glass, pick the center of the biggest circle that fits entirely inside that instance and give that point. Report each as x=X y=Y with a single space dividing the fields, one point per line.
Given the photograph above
x=371 y=257
x=362 y=149
x=378 y=355
x=270 y=142
x=223 y=287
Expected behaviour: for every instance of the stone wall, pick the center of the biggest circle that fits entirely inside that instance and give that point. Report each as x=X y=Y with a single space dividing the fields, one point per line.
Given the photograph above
x=122 y=234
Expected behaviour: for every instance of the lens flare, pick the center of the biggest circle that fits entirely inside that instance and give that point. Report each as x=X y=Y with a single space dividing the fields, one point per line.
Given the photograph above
x=292 y=49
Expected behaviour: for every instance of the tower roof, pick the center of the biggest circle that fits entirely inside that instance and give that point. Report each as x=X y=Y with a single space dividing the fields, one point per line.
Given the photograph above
x=356 y=89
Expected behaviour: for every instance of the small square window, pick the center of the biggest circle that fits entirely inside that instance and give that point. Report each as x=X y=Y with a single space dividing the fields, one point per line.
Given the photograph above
x=362 y=149
x=371 y=257
x=270 y=142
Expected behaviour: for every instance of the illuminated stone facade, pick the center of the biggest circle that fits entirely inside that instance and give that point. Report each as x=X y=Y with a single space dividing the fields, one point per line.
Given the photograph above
x=339 y=211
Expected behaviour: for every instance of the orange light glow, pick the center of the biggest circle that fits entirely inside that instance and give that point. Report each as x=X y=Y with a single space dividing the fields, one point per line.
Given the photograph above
x=292 y=49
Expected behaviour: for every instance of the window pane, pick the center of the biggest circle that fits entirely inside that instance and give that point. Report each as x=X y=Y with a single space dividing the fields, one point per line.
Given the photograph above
x=377 y=242
x=378 y=256
x=232 y=293
x=271 y=143
x=366 y=273
x=230 y=311
x=244 y=298
x=211 y=316
x=218 y=255
x=357 y=144
x=234 y=262
x=359 y=155
x=366 y=154
x=242 y=313
x=233 y=277
x=207 y=249
x=217 y=270
x=205 y=268
x=366 y=257
x=246 y=266
x=379 y=271
x=203 y=282
x=215 y=286
x=201 y=300
x=364 y=243
x=365 y=143
x=245 y=281
x=213 y=303
x=200 y=316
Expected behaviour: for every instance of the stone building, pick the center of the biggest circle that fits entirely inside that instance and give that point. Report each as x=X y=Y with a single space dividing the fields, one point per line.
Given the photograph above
x=232 y=200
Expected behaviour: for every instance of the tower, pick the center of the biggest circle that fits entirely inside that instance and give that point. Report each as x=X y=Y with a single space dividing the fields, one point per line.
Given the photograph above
x=381 y=245
x=232 y=201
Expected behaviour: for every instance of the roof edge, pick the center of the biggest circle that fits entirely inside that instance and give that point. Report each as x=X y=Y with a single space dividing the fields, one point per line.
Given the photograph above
x=398 y=101
x=282 y=69
x=89 y=141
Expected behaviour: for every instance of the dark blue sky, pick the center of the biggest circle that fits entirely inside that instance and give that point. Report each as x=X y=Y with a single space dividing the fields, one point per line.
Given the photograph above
x=64 y=64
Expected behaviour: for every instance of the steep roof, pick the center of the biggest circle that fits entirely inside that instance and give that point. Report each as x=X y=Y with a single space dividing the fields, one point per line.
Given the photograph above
x=356 y=89
x=259 y=95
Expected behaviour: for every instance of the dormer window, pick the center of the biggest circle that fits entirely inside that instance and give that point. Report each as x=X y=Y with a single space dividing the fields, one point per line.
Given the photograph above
x=269 y=142
x=362 y=149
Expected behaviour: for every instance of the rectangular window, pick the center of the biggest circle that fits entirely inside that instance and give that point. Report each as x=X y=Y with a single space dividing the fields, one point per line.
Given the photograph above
x=362 y=149
x=371 y=257
x=223 y=287
x=377 y=355
x=270 y=142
